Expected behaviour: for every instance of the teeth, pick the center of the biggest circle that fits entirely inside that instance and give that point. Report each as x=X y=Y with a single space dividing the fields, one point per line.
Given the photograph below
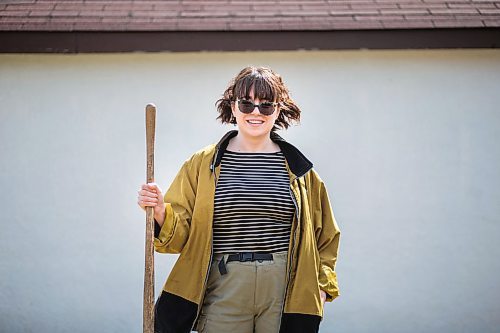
x=255 y=121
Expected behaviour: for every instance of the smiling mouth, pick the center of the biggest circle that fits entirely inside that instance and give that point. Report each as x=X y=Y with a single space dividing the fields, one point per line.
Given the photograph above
x=255 y=122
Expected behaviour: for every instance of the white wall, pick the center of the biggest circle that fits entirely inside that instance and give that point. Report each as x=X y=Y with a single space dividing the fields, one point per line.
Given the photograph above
x=406 y=141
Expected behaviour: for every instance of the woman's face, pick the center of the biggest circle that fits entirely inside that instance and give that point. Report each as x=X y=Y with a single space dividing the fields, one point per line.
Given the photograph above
x=262 y=124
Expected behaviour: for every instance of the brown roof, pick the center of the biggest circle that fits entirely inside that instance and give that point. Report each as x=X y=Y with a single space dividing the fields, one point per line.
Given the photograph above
x=240 y=15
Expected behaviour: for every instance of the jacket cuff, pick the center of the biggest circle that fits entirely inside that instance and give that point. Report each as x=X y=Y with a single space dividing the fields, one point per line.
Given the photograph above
x=328 y=283
x=166 y=231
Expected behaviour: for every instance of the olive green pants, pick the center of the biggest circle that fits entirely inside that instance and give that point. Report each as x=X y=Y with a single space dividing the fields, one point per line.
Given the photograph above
x=248 y=299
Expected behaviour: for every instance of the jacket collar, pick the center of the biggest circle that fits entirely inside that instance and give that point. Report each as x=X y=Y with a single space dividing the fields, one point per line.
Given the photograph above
x=298 y=163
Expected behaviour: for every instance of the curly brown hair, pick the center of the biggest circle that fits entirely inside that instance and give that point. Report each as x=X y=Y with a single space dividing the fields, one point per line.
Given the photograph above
x=267 y=85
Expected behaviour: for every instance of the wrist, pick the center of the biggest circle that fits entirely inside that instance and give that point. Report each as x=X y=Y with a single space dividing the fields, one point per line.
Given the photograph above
x=160 y=217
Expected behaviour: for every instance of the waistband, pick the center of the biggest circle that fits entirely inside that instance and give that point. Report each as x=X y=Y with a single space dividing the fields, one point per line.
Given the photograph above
x=244 y=257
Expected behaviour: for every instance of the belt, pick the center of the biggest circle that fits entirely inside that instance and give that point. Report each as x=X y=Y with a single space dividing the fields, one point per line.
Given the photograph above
x=242 y=257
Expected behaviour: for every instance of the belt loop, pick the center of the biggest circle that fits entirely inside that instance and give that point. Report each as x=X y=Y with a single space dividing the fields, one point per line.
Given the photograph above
x=222 y=266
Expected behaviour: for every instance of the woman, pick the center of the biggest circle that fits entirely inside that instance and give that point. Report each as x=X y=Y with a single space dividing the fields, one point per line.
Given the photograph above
x=252 y=222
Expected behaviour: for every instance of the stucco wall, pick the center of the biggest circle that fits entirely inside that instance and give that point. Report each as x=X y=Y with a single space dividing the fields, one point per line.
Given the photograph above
x=406 y=141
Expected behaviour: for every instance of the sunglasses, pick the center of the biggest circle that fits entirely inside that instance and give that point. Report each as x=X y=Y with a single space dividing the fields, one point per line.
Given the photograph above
x=265 y=108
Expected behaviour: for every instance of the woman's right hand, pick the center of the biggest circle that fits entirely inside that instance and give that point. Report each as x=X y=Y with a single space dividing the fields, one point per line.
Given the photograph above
x=150 y=195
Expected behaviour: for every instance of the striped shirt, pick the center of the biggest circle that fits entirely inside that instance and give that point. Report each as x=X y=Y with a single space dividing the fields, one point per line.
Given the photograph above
x=253 y=207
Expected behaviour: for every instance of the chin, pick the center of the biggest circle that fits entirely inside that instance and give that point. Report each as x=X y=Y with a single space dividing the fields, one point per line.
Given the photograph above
x=254 y=131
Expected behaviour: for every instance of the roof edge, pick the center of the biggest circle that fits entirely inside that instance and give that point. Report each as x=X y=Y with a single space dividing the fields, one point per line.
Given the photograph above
x=192 y=41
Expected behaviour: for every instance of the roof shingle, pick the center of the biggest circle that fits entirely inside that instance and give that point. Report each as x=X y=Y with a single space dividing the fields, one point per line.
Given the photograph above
x=258 y=15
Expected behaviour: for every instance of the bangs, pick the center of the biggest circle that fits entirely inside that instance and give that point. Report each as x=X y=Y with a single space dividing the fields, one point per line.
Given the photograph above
x=263 y=88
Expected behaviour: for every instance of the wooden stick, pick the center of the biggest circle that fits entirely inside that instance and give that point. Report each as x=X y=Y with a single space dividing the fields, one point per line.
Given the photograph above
x=149 y=273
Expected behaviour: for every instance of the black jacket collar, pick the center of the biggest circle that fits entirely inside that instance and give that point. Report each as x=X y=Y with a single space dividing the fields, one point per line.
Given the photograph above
x=298 y=163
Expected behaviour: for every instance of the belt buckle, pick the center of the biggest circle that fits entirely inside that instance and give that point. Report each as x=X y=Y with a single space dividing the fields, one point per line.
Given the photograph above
x=245 y=256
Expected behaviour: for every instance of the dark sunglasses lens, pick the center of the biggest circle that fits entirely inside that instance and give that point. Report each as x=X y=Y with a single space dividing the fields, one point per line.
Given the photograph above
x=246 y=106
x=266 y=109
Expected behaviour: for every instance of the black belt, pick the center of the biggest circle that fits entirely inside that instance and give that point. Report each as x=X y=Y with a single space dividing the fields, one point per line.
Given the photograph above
x=242 y=257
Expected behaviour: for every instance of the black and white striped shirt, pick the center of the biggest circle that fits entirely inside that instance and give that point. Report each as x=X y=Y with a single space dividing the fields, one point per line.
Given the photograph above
x=253 y=207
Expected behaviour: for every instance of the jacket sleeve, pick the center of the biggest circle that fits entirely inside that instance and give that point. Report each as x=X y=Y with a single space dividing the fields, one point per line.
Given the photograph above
x=179 y=204
x=327 y=238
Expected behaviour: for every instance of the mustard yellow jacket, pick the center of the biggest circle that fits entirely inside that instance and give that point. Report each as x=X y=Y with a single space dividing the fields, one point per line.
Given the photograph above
x=187 y=230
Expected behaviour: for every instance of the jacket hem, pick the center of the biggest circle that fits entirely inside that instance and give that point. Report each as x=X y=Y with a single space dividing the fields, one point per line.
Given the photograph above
x=175 y=314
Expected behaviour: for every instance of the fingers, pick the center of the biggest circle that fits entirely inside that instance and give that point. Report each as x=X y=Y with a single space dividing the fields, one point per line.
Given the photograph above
x=152 y=187
x=323 y=296
x=146 y=201
x=149 y=195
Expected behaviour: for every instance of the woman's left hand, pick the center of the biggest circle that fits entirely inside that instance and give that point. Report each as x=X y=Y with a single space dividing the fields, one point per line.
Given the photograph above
x=323 y=296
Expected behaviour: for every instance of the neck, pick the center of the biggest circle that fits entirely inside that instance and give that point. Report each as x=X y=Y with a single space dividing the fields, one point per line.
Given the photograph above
x=252 y=144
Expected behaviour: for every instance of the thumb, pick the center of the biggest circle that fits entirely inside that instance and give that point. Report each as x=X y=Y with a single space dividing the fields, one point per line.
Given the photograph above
x=155 y=187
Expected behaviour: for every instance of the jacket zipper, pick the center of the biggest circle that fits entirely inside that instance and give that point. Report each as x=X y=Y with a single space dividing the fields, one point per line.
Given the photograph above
x=291 y=253
x=200 y=306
